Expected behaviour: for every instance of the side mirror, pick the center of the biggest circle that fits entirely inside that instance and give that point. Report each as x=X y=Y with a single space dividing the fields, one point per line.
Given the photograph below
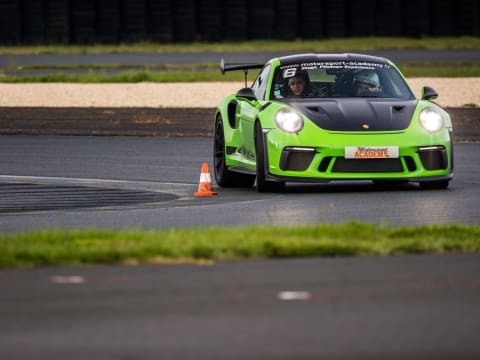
x=246 y=93
x=429 y=93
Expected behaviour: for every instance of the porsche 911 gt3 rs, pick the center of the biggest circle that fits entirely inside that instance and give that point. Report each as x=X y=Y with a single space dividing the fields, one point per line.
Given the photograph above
x=321 y=117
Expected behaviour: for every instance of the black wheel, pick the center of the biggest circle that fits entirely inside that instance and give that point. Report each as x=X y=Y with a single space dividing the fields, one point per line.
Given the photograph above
x=223 y=176
x=432 y=185
x=262 y=184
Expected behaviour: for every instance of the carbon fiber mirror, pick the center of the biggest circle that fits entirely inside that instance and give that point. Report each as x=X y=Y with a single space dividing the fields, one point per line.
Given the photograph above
x=429 y=93
x=246 y=93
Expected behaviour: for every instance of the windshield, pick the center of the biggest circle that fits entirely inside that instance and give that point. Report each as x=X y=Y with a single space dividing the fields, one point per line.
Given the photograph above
x=339 y=79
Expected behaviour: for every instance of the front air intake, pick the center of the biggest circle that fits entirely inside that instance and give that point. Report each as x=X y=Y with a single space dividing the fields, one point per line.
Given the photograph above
x=296 y=159
x=433 y=157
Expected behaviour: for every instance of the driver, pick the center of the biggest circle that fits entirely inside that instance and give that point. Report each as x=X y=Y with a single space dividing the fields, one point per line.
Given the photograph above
x=298 y=86
x=366 y=82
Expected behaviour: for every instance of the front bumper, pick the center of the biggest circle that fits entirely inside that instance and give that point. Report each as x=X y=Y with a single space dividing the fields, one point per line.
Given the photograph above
x=321 y=158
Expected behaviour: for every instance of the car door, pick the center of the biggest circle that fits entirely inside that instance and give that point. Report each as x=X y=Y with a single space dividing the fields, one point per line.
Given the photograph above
x=249 y=110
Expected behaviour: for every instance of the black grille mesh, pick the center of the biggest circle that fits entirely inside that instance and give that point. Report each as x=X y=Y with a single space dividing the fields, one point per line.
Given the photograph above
x=367 y=165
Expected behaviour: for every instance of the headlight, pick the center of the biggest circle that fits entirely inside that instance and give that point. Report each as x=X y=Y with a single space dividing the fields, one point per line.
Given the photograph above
x=431 y=120
x=289 y=120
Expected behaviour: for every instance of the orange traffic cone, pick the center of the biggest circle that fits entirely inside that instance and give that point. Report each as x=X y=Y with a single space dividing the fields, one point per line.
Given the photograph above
x=205 y=185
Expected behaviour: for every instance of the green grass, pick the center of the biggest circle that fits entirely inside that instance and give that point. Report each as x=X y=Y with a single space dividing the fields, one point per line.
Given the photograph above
x=202 y=72
x=119 y=67
x=440 y=68
x=345 y=44
x=62 y=247
x=127 y=77
x=209 y=71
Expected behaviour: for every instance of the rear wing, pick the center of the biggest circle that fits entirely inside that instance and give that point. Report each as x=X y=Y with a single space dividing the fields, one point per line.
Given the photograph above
x=245 y=67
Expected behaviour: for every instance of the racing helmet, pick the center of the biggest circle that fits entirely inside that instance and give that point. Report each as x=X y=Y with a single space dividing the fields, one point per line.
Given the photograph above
x=296 y=73
x=291 y=74
x=299 y=74
x=369 y=77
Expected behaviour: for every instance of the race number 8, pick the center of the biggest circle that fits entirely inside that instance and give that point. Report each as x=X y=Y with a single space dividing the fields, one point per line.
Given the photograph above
x=289 y=73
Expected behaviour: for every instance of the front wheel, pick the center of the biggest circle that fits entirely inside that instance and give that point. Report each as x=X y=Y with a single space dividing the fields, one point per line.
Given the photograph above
x=223 y=176
x=262 y=184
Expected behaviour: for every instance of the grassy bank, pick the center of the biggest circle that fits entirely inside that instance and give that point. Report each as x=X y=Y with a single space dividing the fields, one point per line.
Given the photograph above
x=346 y=44
x=51 y=248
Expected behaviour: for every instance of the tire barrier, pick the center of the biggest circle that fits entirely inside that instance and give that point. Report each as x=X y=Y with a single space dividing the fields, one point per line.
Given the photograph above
x=57 y=21
x=467 y=20
x=388 y=18
x=442 y=20
x=167 y=21
x=184 y=24
x=83 y=21
x=134 y=20
x=160 y=23
x=33 y=22
x=286 y=15
x=9 y=22
x=235 y=20
x=416 y=26
x=209 y=20
x=108 y=21
x=336 y=19
x=261 y=19
x=362 y=18
x=311 y=19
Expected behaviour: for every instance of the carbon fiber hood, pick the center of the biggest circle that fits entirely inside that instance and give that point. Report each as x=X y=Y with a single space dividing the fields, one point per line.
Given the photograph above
x=358 y=114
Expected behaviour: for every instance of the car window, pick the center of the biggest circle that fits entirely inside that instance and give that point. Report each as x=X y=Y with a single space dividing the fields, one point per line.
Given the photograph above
x=261 y=83
x=339 y=79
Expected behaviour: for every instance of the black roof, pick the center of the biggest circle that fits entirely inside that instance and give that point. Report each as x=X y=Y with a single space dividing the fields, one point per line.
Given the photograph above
x=303 y=58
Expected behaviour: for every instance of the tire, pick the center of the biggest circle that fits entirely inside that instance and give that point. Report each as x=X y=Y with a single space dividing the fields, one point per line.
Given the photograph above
x=313 y=19
x=363 y=25
x=262 y=184
x=32 y=21
x=160 y=23
x=224 y=177
x=287 y=11
x=435 y=185
x=389 y=18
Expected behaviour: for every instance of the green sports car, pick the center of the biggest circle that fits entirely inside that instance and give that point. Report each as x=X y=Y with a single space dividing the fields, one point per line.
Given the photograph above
x=321 y=118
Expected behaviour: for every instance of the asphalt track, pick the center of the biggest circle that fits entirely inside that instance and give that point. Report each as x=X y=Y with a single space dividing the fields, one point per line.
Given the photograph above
x=420 y=306
x=7 y=61
x=406 y=307
x=170 y=168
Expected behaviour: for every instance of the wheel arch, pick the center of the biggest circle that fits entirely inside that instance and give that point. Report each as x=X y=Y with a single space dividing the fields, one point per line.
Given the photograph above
x=256 y=123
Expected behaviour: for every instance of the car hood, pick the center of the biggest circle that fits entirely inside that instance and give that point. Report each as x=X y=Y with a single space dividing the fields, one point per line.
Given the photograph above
x=362 y=114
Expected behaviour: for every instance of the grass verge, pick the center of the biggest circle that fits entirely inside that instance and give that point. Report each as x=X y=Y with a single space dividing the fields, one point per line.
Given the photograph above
x=127 y=77
x=344 y=44
x=199 y=72
x=58 y=247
